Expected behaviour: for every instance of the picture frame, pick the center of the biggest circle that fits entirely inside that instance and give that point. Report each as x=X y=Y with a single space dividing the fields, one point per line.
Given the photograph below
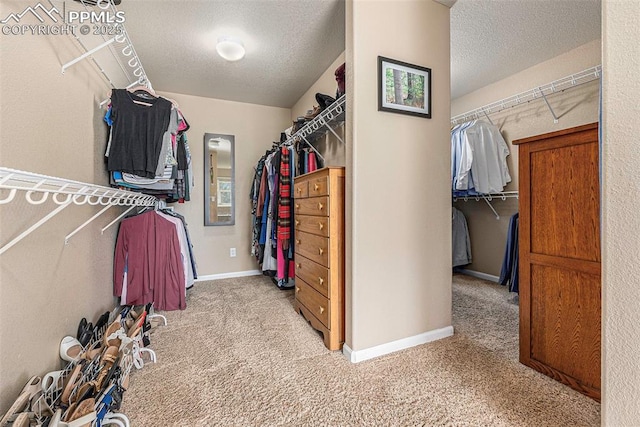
x=411 y=83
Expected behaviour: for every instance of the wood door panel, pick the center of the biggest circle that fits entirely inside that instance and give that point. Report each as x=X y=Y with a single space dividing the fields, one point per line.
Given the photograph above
x=559 y=256
x=564 y=202
x=565 y=334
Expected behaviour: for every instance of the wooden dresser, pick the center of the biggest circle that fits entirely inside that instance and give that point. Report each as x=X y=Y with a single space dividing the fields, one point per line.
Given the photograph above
x=319 y=252
x=560 y=256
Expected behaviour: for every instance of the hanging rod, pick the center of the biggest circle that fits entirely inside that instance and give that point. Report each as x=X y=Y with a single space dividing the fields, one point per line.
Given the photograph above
x=542 y=91
x=488 y=198
x=64 y=193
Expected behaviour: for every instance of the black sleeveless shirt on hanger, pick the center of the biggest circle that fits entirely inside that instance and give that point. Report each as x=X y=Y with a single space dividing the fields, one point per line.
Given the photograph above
x=136 y=133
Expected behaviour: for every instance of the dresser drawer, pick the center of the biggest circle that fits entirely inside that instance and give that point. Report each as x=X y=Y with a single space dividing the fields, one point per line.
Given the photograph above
x=313 y=224
x=317 y=304
x=319 y=186
x=300 y=189
x=313 y=274
x=312 y=206
x=316 y=248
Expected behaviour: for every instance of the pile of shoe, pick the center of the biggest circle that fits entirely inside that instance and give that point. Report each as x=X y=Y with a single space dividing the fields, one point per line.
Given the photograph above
x=324 y=101
x=88 y=391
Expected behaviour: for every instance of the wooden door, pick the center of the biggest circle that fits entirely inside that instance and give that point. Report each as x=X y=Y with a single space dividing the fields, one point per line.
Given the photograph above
x=560 y=256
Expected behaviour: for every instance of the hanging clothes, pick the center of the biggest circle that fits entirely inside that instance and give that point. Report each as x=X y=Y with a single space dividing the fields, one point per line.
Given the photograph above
x=509 y=271
x=148 y=264
x=137 y=132
x=153 y=261
x=147 y=149
x=461 y=244
x=478 y=159
x=271 y=214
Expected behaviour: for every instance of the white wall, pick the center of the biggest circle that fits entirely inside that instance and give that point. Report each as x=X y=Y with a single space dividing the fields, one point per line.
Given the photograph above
x=398 y=202
x=621 y=222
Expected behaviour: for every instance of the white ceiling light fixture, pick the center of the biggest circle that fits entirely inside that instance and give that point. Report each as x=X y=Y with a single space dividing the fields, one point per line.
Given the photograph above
x=230 y=48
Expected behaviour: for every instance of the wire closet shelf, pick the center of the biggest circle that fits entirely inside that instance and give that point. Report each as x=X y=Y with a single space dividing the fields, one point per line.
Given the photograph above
x=542 y=91
x=64 y=192
x=321 y=124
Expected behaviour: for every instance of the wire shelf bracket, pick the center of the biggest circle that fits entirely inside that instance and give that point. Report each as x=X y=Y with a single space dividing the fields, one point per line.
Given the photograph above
x=64 y=193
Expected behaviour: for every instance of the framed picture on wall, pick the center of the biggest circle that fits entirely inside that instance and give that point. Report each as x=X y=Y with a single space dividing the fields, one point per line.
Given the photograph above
x=404 y=88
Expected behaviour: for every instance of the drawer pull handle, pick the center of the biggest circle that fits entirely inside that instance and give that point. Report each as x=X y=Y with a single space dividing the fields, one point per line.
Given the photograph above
x=297 y=206
x=321 y=309
x=321 y=280
x=297 y=222
x=316 y=187
x=297 y=289
x=321 y=225
x=297 y=242
x=297 y=265
x=321 y=251
x=320 y=206
x=299 y=190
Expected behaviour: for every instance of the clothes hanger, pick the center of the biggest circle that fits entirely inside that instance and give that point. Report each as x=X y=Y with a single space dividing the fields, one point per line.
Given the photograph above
x=142 y=88
x=142 y=92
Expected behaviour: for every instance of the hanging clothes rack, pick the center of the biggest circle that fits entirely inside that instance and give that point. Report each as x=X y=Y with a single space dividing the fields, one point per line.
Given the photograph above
x=64 y=193
x=320 y=125
x=538 y=92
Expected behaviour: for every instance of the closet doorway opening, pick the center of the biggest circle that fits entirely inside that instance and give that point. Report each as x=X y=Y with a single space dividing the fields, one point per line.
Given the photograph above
x=487 y=281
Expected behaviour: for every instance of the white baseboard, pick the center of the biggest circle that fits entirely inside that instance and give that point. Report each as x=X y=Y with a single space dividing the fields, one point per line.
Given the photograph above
x=393 y=346
x=228 y=275
x=480 y=275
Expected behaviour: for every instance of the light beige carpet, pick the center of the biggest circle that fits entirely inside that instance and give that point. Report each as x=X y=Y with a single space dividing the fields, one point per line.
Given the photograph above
x=240 y=356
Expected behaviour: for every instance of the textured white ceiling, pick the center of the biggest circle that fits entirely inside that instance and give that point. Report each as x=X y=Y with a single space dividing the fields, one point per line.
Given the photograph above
x=493 y=39
x=289 y=44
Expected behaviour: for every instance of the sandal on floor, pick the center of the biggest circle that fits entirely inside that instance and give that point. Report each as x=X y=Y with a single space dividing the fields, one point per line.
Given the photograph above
x=20 y=404
x=22 y=420
x=108 y=401
x=83 y=414
x=101 y=323
x=93 y=351
x=33 y=386
x=111 y=334
x=56 y=418
x=39 y=405
x=52 y=381
x=109 y=362
x=85 y=332
x=70 y=349
x=70 y=383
